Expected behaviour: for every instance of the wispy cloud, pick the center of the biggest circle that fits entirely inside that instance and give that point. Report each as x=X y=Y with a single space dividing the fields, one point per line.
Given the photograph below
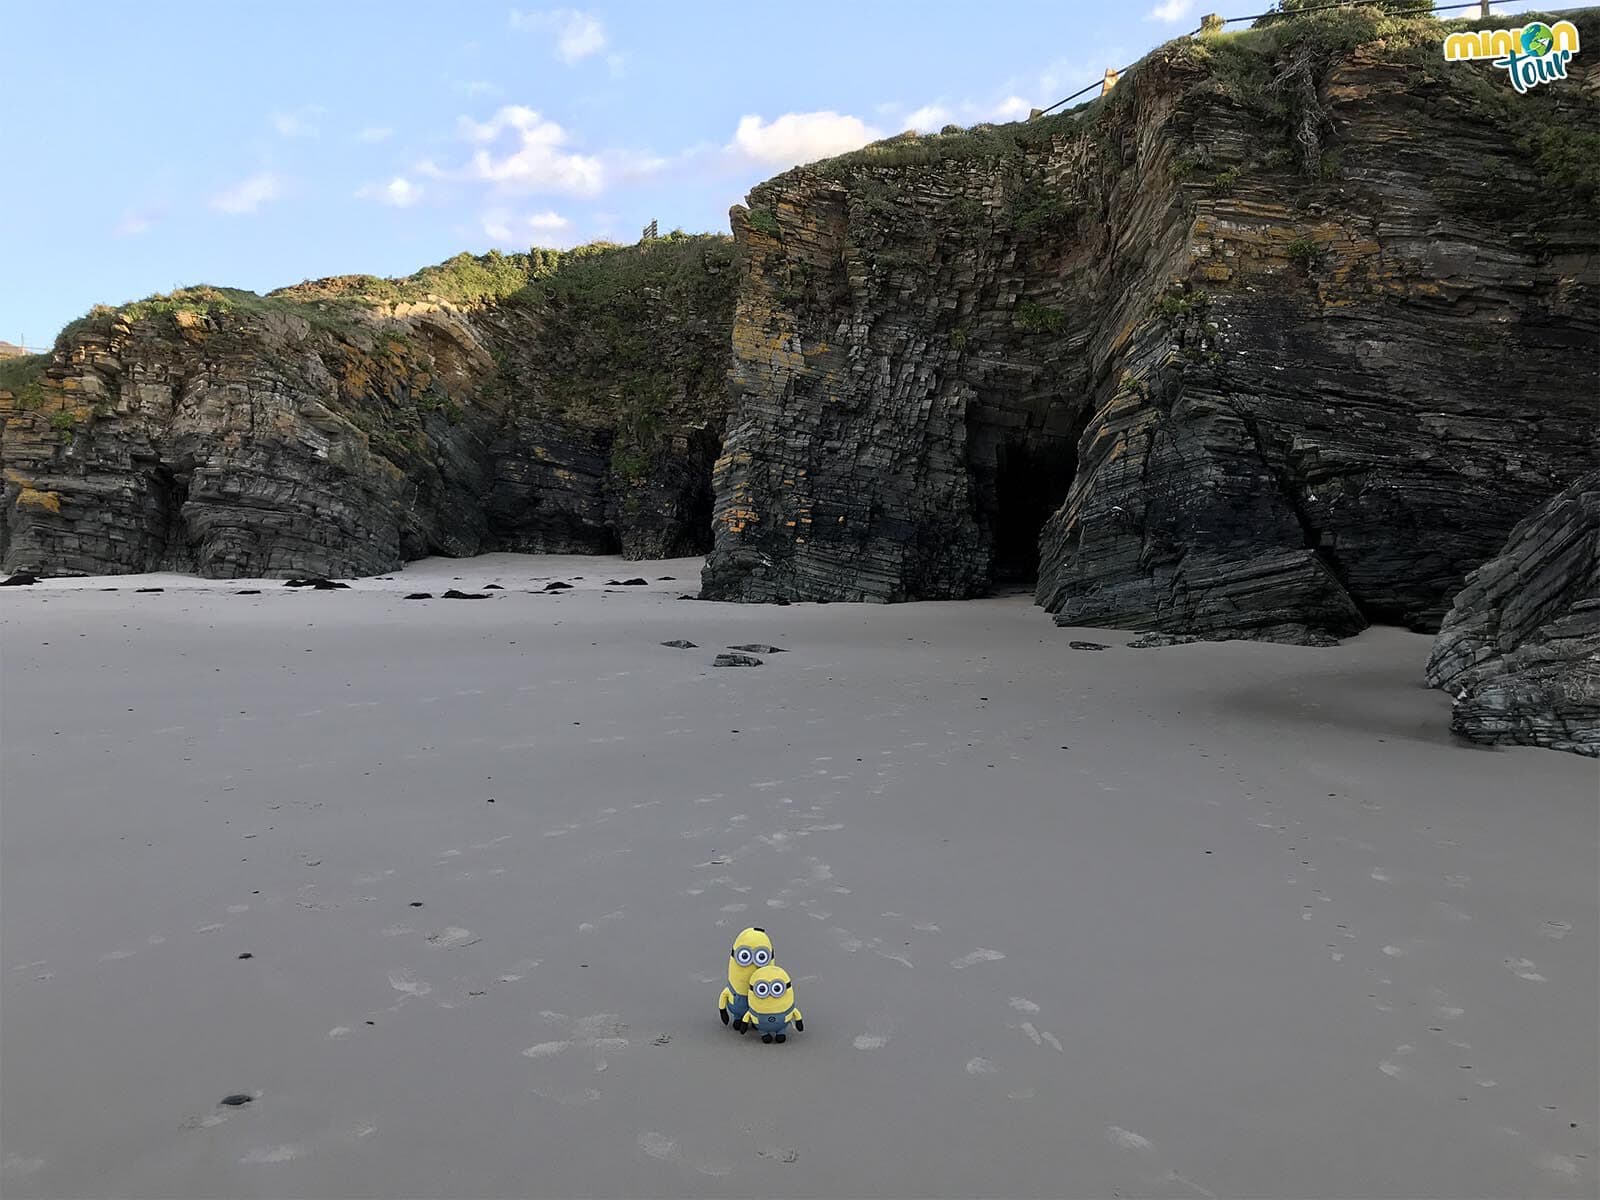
x=531 y=155
x=931 y=117
x=547 y=228
x=399 y=192
x=301 y=123
x=796 y=138
x=1171 y=11
x=374 y=134
x=136 y=222
x=577 y=34
x=248 y=195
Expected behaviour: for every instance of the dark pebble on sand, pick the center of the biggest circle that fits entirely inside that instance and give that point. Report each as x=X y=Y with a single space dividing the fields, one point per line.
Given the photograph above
x=248 y=592
x=416 y=904
x=680 y=644
x=21 y=579
x=557 y=586
x=636 y=582
x=237 y=1099
x=420 y=596
x=736 y=660
x=317 y=582
x=149 y=589
x=453 y=594
x=1087 y=645
x=758 y=648
x=247 y=954
x=667 y=579
x=493 y=587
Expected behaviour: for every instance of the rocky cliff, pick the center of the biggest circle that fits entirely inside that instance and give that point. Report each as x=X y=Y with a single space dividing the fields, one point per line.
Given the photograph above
x=545 y=402
x=1520 y=648
x=1280 y=336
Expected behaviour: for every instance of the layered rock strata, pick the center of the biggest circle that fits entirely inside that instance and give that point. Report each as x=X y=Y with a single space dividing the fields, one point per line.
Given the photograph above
x=1520 y=648
x=1280 y=337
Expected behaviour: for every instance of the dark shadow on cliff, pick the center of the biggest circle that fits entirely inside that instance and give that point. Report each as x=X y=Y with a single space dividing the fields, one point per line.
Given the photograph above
x=1018 y=484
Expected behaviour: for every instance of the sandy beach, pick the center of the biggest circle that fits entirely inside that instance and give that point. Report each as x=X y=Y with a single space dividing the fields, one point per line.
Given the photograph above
x=1209 y=920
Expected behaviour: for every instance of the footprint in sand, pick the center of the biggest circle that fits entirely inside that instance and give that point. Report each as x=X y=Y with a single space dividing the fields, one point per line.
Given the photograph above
x=980 y=1066
x=1523 y=969
x=979 y=955
x=406 y=983
x=276 y=1154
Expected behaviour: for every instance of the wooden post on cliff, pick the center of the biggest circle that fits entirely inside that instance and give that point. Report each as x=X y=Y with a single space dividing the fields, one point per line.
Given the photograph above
x=1483 y=9
x=1109 y=82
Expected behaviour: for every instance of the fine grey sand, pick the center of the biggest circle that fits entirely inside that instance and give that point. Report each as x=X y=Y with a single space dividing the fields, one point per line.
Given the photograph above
x=1230 y=920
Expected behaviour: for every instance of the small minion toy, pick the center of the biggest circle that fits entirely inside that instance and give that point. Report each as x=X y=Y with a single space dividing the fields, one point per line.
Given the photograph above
x=772 y=1008
x=752 y=950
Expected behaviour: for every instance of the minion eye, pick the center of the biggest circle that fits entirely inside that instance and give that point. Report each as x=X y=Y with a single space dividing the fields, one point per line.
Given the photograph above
x=744 y=957
x=762 y=956
x=777 y=987
x=761 y=989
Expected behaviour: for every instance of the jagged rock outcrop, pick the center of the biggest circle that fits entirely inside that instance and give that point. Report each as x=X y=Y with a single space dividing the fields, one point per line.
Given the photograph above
x=1520 y=648
x=557 y=403
x=1282 y=336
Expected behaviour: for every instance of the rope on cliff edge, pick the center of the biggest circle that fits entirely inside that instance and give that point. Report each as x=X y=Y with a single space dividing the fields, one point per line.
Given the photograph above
x=1212 y=24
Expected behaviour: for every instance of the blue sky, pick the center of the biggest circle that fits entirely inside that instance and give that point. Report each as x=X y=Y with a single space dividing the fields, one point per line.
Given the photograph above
x=158 y=145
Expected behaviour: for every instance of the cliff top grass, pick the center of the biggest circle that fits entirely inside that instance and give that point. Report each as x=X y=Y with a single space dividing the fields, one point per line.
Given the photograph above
x=1242 y=64
x=340 y=303
x=19 y=370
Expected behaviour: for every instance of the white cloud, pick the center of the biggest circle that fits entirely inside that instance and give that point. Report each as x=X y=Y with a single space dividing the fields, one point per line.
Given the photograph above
x=135 y=222
x=932 y=117
x=1012 y=108
x=248 y=195
x=1170 y=11
x=547 y=228
x=301 y=123
x=535 y=161
x=796 y=138
x=929 y=117
x=577 y=34
x=399 y=192
x=374 y=134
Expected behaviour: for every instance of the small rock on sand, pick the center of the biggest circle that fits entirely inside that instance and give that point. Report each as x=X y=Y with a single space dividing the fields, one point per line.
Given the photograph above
x=1087 y=645
x=237 y=1099
x=149 y=589
x=317 y=582
x=557 y=586
x=680 y=644
x=454 y=594
x=21 y=579
x=736 y=660
x=758 y=648
x=420 y=596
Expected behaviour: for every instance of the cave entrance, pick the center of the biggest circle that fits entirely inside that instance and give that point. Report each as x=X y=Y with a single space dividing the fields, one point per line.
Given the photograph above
x=1032 y=476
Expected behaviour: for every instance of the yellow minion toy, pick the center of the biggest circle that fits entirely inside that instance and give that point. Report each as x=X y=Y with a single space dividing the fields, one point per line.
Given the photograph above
x=752 y=950
x=772 y=1007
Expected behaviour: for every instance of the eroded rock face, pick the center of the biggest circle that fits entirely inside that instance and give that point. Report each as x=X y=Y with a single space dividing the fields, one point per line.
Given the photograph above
x=1520 y=648
x=1259 y=386
x=321 y=431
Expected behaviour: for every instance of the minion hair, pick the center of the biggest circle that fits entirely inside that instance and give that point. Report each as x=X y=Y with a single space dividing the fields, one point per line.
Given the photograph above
x=758 y=929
